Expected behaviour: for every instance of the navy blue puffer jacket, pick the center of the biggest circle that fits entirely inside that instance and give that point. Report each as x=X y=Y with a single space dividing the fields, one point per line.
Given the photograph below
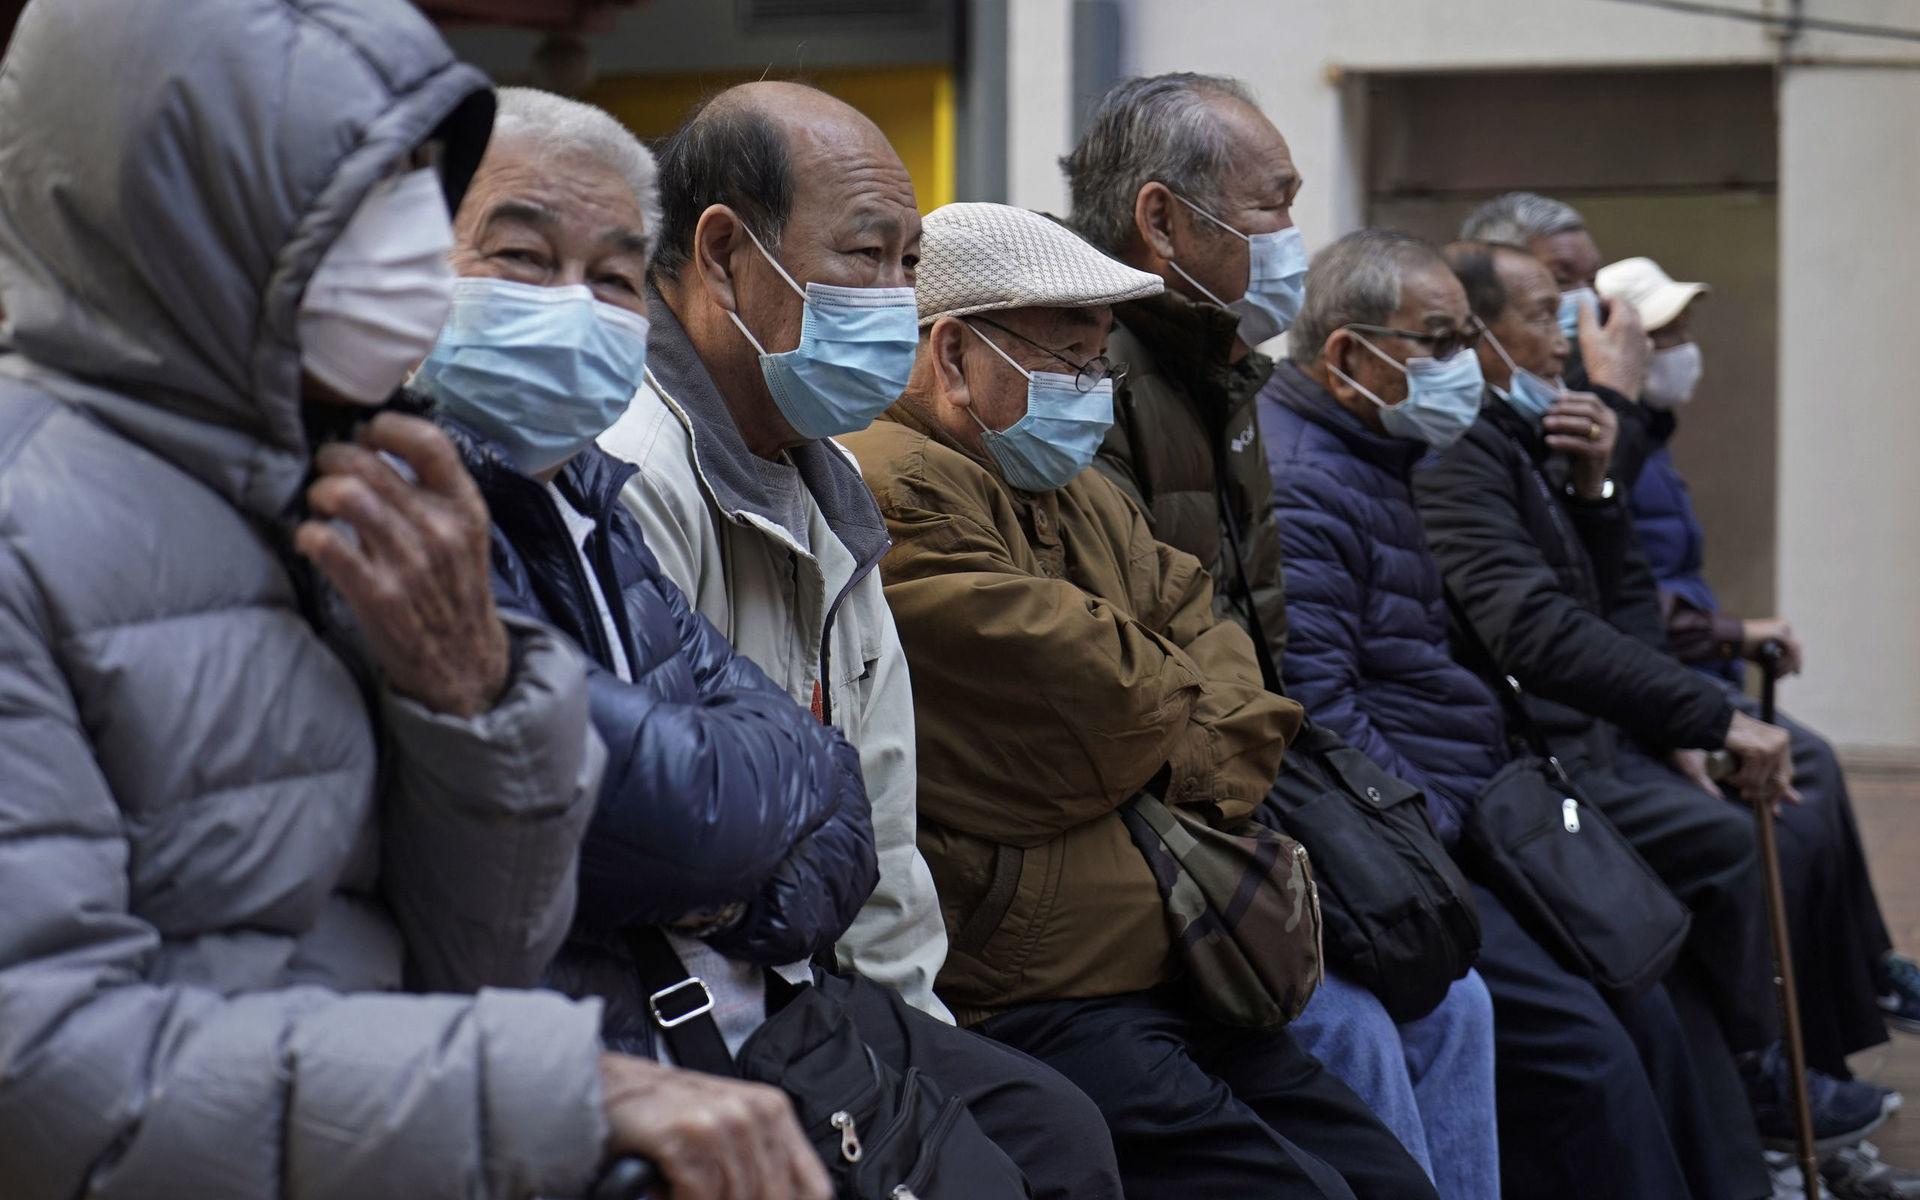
x=1670 y=534
x=1368 y=653
x=719 y=790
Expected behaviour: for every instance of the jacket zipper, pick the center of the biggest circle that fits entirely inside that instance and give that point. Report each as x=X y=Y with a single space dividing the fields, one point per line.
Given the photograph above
x=826 y=637
x=596 y=631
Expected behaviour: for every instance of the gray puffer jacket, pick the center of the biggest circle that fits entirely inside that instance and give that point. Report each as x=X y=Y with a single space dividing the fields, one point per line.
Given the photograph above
x=217 y=850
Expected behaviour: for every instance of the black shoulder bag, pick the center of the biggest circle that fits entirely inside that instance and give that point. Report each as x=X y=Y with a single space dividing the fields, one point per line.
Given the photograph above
x=1569 y=876
x=882 y=1136
x=1396 y=915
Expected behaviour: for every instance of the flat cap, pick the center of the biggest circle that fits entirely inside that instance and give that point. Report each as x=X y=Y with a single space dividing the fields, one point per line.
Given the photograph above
x=981 y=257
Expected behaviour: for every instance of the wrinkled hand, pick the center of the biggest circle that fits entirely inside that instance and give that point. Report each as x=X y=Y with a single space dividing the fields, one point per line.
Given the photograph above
x=1615 y=354
x=1758 y=632
x=1765 y=755
x=711 y=1138
x=418 y=579
x=1581 y=426
x=1693 y=765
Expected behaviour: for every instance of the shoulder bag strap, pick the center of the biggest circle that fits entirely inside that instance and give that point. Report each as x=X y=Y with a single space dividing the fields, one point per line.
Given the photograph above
x=679 y=1004
x=1269 y=672
x=1512 y=698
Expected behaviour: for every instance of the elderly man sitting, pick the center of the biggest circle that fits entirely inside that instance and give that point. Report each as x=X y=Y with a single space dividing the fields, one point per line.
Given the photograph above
x=1064 y=661
x=780 y=317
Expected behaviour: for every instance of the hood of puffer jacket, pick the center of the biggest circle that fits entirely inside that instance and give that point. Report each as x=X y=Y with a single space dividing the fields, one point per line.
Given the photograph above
x=170 y=174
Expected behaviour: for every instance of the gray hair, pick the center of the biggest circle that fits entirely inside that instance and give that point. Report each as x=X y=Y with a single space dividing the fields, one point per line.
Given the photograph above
x=558 y=126
x=1517 y=218
x=1355 y=281
x=1161 y=127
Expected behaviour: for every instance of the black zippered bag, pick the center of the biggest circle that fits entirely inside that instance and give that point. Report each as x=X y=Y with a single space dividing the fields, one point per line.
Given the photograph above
x=882 y=1136
x=1564 y=871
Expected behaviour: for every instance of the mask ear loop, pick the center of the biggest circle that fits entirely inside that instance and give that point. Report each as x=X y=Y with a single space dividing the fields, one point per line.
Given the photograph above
x=1506 y=358
x=1355 y=384
x=775 y=264
x=1003 y=354
x=1513 y=368
x=1197 y=285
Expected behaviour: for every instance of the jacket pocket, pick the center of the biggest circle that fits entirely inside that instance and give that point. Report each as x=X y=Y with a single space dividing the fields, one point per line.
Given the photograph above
x=1003 y=884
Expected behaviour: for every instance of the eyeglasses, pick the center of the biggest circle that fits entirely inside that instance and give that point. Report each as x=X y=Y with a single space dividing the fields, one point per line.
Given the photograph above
x=1086 y=376
x=1443 y=345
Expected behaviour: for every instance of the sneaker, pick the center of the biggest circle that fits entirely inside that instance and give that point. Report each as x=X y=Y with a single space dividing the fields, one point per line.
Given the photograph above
x=1899 y=981
x=1785 y=1176
x=1856 y=1173
x=1844 y=1111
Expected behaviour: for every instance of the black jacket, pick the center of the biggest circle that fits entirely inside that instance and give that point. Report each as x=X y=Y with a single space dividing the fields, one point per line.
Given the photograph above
x=721 y=794
x=1558 y=589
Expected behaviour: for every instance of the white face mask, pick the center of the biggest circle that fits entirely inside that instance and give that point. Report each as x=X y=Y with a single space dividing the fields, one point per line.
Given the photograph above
x=1672 y=376
x=381 y=292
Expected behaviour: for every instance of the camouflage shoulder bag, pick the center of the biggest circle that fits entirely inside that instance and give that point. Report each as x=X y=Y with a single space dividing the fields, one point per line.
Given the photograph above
x=1241 y=907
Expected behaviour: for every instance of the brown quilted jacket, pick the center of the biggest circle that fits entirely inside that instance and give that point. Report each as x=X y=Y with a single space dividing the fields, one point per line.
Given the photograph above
x=1062 y=661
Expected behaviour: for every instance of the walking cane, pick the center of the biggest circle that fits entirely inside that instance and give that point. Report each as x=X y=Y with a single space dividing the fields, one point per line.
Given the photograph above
x=1770 y=655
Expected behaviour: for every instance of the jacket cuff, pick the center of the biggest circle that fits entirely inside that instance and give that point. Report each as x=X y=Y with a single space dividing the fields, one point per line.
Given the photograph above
x=1716 y=729
x=1729 y=635
x=525 y=755
x=546 y=1129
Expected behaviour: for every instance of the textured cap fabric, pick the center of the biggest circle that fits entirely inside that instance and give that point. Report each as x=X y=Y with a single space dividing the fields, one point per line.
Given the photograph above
x=981 y=257
x=1652 y=292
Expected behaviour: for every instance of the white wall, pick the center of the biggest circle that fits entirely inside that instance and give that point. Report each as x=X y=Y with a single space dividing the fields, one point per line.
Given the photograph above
x=1039 y=101
x=1850 y=397
x=1849 y=499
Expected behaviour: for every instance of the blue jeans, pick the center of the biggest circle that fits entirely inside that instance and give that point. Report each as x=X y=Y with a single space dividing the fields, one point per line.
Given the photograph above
x=1429 y=1081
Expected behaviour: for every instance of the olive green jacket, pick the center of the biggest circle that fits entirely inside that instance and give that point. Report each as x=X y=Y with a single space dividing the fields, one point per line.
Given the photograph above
x=1183 y=424
x=1062 y=661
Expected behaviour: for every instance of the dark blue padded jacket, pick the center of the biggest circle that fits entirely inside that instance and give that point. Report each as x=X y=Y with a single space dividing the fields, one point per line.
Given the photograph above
x=720 y=792
x=1368 y=653
x=1670 y=534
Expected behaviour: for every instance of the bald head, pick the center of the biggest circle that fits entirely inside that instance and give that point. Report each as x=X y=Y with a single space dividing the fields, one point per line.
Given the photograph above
x=762 y=149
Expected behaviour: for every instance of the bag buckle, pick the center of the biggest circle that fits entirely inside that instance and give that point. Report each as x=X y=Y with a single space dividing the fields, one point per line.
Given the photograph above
x=697 y=1008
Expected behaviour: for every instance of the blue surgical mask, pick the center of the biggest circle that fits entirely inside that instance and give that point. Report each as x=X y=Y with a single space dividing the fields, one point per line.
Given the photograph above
x=1060 y=434
x=1570 y=302
x=1276 y=279
x=541 y=371
x=1443 y=396
x=856 y=351
x=1530 y=395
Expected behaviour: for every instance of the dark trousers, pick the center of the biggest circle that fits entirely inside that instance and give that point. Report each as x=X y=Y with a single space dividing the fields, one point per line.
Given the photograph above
x=1051 y=1131
x=1596 y=1104
x=1704 y=848
x=1201 y=1109
x=1833 y=918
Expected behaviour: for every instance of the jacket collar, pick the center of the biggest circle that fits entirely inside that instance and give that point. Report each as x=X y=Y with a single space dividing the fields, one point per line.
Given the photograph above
x=591 y=481
x=1512 y=425
x=1189 y=342
x=721 y=454
x=1297 y=391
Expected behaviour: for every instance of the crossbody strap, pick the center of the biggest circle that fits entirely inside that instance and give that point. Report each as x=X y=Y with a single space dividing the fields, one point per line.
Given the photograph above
x=1262 y=650
x=679 y=1004
x=1512 y=698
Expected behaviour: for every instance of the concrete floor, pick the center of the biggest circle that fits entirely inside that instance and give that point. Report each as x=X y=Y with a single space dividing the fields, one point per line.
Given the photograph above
x=1888 y=805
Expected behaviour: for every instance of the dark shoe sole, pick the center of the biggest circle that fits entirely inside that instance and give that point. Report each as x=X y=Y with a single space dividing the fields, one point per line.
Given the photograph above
x=1827 y=1145
x=1906 y=1025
